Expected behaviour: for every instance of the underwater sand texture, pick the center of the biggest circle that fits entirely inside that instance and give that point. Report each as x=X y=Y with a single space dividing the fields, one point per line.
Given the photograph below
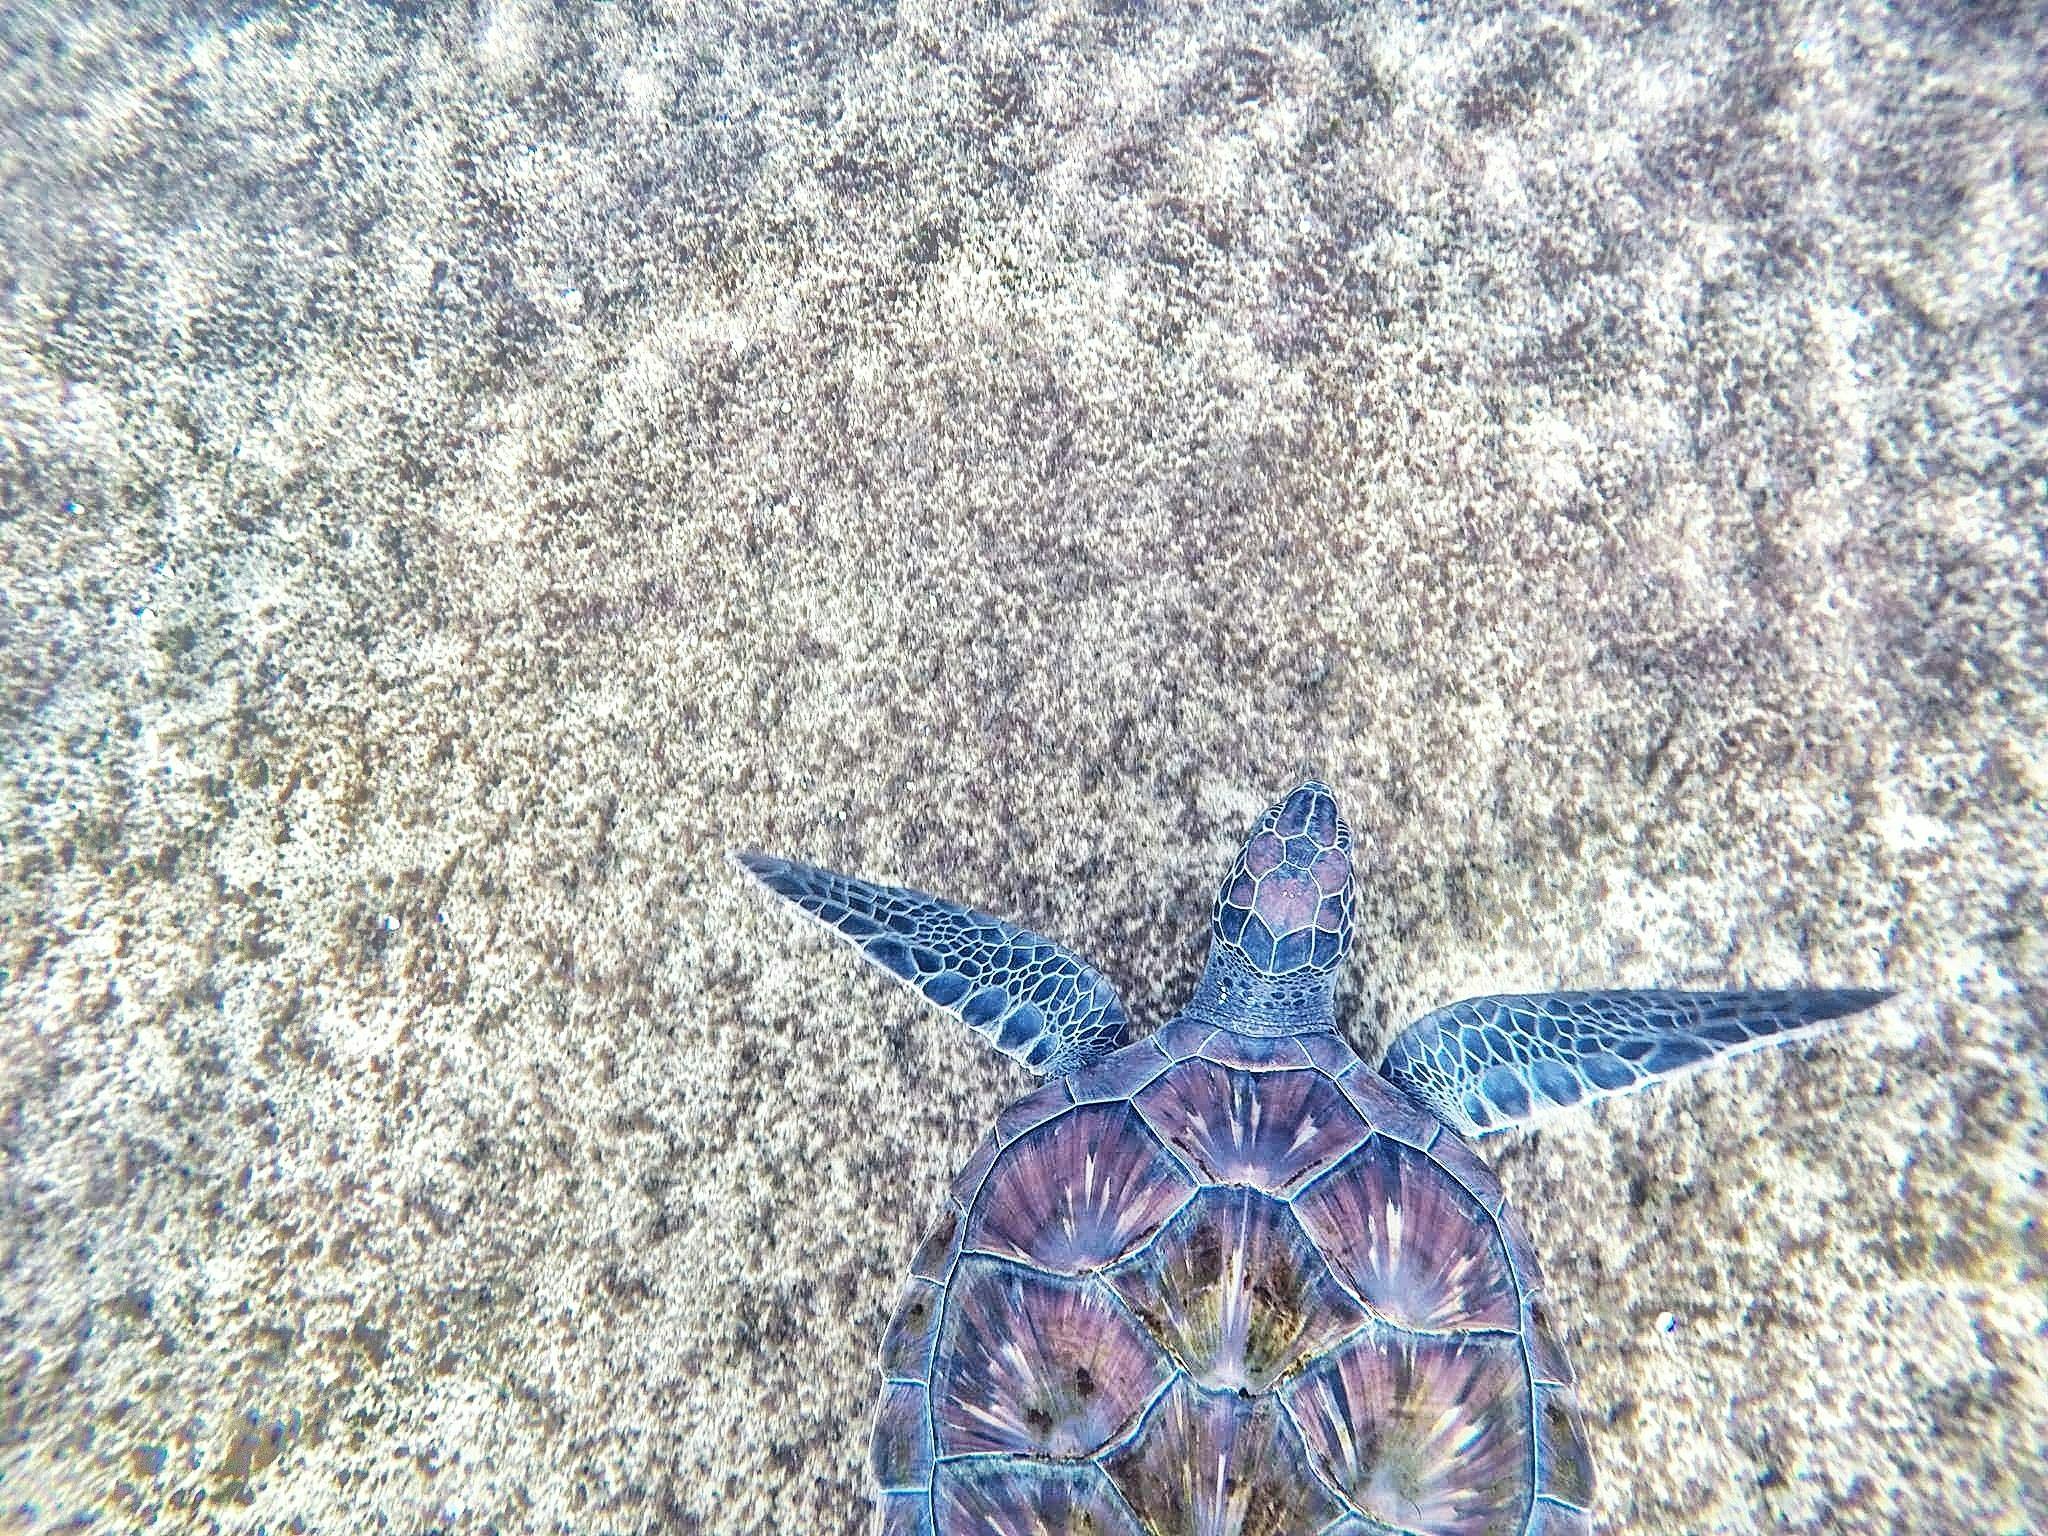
x=462 y=474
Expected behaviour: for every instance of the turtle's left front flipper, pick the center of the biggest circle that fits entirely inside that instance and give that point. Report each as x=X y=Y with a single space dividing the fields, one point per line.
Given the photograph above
x=1490 y=1062
x=1027 y=996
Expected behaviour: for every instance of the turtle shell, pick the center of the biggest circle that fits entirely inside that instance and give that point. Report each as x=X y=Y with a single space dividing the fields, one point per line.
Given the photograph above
x=1218 y=1283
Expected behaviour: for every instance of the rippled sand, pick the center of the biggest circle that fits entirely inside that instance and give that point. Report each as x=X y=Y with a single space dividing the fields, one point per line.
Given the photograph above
x=459 y=480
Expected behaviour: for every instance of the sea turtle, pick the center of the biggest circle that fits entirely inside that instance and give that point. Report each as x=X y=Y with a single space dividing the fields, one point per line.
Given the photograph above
x=1228 y=1278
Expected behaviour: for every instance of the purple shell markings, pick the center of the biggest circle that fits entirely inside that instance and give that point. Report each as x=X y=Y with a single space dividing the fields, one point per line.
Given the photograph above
x=900 y=1455
x=1078 y=1193
x=1026 y=1500
x=1235 y=1291
x=1273 y=1131
x=1120 y=1074
x=1332 y=1056
x=1422 y=1434
x=1261 y=1053
x=1184 y=1037
x=1410 y=1243
x=1386 y=1108
x=1038 y=1366
x=1217 y=1462
x=904 y=1514
x=1549 y=1519
x=1032 y=1110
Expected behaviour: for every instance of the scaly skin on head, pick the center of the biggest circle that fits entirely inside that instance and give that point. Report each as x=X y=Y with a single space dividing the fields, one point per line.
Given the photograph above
x=1282 y=922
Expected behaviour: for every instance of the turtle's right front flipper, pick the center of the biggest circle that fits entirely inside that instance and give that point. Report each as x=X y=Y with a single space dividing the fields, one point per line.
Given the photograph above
x=1490 y=1062
x=1027 y=996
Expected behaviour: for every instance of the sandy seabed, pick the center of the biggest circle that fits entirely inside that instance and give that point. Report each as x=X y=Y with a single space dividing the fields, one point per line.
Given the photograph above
x=461 y=471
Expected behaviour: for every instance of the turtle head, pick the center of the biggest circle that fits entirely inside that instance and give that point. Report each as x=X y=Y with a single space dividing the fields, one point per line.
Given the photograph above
x=1283 y=919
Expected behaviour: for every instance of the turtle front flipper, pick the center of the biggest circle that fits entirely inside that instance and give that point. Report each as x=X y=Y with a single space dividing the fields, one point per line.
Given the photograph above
x=1490 y=1062
x=1027 y=996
